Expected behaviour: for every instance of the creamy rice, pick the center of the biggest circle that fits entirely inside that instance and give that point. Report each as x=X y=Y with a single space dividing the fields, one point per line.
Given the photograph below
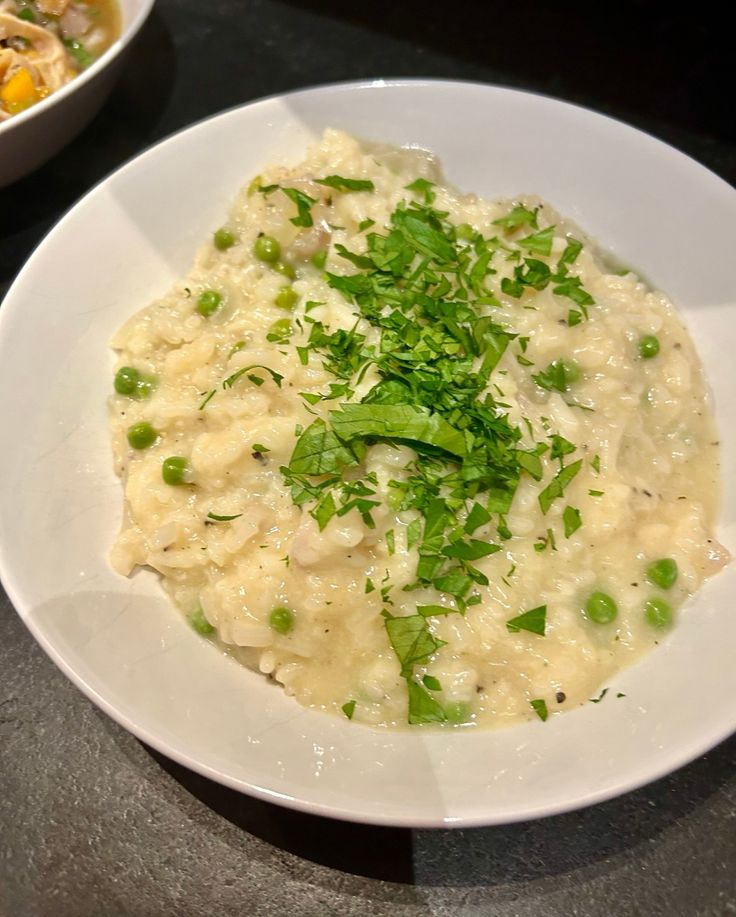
x=641 y=427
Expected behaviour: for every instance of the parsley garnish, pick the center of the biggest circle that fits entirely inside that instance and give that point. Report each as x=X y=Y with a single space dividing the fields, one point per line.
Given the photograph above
x=535 y=621
x=423 y=708
x=540 y=242
x=346 y=184
x=424 y=187
x=217 y=518
x=571 y=519
x=303 y=205
x=423 y=291
x=519 y=216
x=210 y=395
x=540 y=708
x=411 y=639
x=256 y=380
x=348 y=709
x=556 y=487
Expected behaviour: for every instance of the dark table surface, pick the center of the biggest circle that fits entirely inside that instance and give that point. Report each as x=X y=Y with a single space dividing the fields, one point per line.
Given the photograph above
x=94 y=823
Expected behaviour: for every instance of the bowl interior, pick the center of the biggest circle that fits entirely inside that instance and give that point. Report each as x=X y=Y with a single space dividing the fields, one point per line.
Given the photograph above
x=119 y=639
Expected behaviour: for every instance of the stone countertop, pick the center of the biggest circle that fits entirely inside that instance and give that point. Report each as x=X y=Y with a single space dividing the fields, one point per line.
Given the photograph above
x=94 y=823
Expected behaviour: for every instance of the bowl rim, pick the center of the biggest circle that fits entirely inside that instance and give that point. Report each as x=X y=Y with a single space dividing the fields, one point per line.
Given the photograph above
x=127 y=35
x=687 y=752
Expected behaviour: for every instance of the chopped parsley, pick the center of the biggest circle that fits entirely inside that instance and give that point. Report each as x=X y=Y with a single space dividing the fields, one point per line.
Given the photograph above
x=539 y=706
x=535 y=621
x=216 y=518
x=556 y=487
x=348 y=709
x=346 y=184
x=303 y=205
x=424 y=291
x=256 y=380
x=571 y=520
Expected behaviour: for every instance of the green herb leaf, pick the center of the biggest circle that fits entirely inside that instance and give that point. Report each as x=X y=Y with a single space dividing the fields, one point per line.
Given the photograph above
x=324 y=511
x=540 y=708
x=540 y=242
x=570 y=254
x=560 y=446
x=346 y=184
x=597 y=700
x=217 y=518
x=403 y=422
x=319 y=451
x=572 y=520
x=431 y=611
x=303 y=205
x=348 y=709
x=453 y=583
x=559 y=376
x=519 y=216
x=470 y=550
x=477 y=517
x=531 y=463
x=423 y=708
x=535 y=621
x=210 y=395
x=556 y=487
x=231 y=380
x=424 y=187
x=572 y=288
x=429 y=681
x=411 y=641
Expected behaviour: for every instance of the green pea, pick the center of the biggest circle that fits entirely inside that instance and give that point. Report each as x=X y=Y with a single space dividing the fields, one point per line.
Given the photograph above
x=658 y=613
x=648 y=347
x=281 y=620
x=280 y=331
x=286 y=298
x=600 y=608
x=133 y=383
x=465 y=231
x=457 y=712
x=267 y=248
x=126 y=380
x=141 y=435
x=285 y=269
x=224 y=239
x=319 y=259
x=201 y=624
x=209 y=302
x=663 y=572
x=175 y=470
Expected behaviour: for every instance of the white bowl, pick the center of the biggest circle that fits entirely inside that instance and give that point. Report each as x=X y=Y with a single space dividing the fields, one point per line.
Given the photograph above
x=122 y=643
x=29 y=139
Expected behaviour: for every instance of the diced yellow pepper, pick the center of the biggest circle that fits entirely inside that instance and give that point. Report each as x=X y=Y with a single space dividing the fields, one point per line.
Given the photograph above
x=19 y=90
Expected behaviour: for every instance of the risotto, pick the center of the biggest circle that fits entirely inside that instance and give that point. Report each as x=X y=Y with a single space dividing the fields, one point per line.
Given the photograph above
x=416 y=456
